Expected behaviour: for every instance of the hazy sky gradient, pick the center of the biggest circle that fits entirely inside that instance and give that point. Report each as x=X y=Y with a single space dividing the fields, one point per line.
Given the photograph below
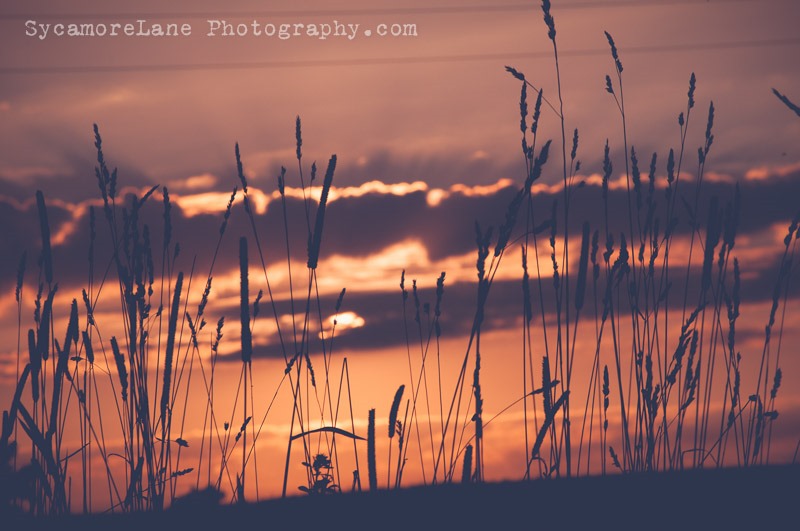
x=438 y=108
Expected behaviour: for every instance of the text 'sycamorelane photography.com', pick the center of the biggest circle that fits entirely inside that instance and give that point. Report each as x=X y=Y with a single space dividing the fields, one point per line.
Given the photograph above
x=217 y=28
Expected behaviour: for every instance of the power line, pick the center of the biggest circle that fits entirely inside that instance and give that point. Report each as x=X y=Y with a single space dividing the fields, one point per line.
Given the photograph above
x=430 y=10
x=380 y=61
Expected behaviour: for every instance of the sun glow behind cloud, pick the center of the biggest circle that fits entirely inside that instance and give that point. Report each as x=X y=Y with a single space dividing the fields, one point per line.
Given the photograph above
x=765 y=172
x=194 y=204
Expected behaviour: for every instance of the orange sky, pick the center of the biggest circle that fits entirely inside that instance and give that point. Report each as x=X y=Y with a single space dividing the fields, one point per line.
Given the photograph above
x=426 y=130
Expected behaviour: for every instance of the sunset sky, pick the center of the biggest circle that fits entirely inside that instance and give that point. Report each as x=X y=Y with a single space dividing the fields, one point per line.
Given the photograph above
x=426 y=132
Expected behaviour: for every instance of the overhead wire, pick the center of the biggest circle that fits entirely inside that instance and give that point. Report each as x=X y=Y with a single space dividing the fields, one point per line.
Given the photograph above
x=401 y=60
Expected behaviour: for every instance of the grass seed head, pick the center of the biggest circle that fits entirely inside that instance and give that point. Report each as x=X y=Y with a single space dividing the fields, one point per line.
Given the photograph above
x=548 y=20
x=244 y=299
x=614 y=52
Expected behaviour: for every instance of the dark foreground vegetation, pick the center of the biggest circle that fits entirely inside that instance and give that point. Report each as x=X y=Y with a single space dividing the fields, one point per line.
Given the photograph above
x=728 y=498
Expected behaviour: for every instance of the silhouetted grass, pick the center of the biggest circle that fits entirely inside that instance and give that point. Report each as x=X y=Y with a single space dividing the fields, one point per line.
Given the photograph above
x=661 y=396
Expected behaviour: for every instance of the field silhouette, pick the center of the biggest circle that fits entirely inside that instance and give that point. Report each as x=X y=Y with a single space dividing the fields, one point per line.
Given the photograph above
x=117 y=406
